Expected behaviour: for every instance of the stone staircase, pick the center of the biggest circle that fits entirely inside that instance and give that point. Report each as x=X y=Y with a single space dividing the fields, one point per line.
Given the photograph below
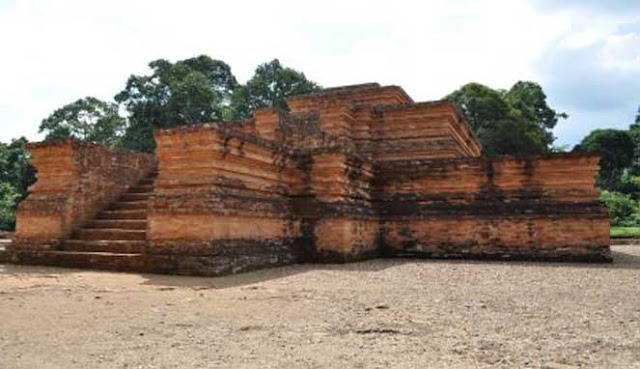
x=114 y=240
x=3 y=249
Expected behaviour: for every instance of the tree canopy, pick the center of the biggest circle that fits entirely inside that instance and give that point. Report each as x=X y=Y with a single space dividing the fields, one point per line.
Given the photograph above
x=634 y=132
x=270 y=85
x=186 y=92
x=616 y=148
x=198 y=90
x=88 y=119
x=514 y=122
x=16 y=175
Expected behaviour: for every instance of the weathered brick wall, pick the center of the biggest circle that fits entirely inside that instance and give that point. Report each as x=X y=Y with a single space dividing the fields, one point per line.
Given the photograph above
x=348 y=173
x=345 y=226
x=384 y=123
x=222 y=195
x=538 y=207
x=369 y=94
x=75 y=182
x=223 y=186
x=418 y=131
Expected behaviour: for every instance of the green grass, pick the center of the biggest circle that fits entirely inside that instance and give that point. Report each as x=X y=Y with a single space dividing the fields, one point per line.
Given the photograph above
x=617 y=232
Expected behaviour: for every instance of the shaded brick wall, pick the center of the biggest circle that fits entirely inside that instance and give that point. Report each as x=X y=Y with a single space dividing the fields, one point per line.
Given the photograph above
x=221 y=201
x=345 y=226
x=74 y=182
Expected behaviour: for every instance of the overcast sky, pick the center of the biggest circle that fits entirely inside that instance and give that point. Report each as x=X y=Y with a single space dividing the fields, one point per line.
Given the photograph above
x=586 y=54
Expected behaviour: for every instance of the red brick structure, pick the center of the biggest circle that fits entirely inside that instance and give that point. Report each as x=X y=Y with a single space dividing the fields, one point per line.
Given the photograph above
x=348 y=173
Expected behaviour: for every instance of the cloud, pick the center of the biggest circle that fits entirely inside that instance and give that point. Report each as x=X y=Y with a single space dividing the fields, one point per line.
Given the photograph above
x=592 y=73
x=60 y=51
x=588 y=79
x=613 y=6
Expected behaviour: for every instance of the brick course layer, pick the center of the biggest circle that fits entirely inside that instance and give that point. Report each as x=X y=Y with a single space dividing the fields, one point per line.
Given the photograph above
x=347 y=173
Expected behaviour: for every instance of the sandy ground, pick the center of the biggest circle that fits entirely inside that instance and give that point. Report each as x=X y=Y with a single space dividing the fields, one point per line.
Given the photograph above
x=376 y=314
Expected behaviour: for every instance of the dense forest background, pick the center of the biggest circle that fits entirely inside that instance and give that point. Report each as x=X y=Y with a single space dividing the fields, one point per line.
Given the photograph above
x=517 y=121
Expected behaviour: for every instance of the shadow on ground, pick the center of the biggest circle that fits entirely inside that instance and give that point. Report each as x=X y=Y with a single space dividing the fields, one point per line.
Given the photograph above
x=622 y=259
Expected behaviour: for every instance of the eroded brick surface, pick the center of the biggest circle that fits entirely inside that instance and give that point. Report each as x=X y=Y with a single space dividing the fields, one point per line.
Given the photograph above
x=75 y=181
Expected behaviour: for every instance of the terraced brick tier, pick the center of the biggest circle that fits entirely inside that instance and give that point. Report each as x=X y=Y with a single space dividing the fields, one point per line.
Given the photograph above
x=124 y=214
x=142 y=189
x=135 y=196
x=148 y=181
x=136 y=224
x=3 y=251
x=110 y=234
x=92 y=260
x=112 y=246
x=129 y=205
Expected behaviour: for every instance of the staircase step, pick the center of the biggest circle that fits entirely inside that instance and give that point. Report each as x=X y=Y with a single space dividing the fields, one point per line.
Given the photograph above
x=135 y=196
x=110 y=234
x=119 y=247
x=93 y=260
x=142 y=188
x=123 y=214
x=140 y=224
x=129 y=205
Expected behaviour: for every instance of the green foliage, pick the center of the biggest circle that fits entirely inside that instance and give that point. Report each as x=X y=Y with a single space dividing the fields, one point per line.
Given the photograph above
x=199 y=90
x=271 y=84
x=634 y=132
x=514 y=122
x=87 y=119
x=16 y=175
x=9 y=198
x=529 y=102
x=190 y=91
x=617 y=150
x=14 y=165
x=629 y=184
x=623 y=210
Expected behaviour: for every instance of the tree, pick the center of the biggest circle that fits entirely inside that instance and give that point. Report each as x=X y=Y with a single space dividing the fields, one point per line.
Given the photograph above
x=617 y=150
x=16 y=175
x=270 y=85
x=623 y=210
x=634 y=131
x=88 y=119
x=190 y=91
x=529 y=102
x=8 y=202
x=510 y=136
x=514 y=122
x=199 y=90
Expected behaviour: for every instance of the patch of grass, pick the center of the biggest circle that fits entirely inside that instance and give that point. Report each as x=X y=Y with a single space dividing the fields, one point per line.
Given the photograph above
x=619 y=232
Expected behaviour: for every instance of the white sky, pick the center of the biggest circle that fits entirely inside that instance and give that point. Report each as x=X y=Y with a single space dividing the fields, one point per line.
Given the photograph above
x=587 y=57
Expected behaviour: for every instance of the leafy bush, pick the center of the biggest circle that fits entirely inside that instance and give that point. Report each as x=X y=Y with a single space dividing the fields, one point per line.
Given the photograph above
x=616 y=148
x=16 y=175
x=9 y=198
x=629 y=184
x=623 y=209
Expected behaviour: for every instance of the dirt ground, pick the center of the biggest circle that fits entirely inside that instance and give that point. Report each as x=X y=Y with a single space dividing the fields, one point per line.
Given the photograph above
x=375 y=314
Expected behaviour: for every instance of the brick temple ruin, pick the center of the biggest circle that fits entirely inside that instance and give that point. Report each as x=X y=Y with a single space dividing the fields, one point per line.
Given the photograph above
x=346 y=174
